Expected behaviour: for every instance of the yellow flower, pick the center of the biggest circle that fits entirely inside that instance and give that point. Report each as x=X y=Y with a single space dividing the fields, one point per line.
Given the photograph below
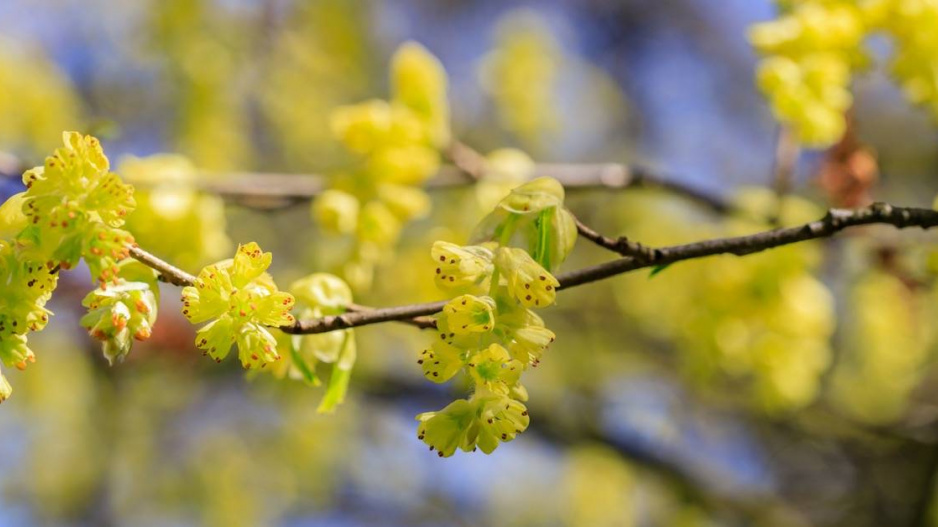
x=242 y=299
x=494 y=369
x=418 y=81
x=336 y=211
x=462 y=268
x=467 y=314
x=482 y=422
x=441 y=361
x=527 y=281
x=500 y=420
x=446 y=429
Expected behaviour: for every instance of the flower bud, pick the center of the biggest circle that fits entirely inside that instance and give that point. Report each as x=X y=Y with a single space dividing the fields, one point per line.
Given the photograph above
x=336 y=211
x=405 y=202
x=15 y=353
x=534 y=196
x=325 y=292
x=118 y=315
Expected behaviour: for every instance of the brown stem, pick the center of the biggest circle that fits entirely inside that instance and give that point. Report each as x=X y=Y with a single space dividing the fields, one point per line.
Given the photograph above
x=833 y=222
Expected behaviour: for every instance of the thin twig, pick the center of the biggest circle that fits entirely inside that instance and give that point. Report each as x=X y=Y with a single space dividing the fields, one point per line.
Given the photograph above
x=833 y=222
x=787 y=151
x=420 y=322
x=268 y=190
x=173 y=275
x=469 y=161
x=354 y=319
x=620 y=245
x=168 y=272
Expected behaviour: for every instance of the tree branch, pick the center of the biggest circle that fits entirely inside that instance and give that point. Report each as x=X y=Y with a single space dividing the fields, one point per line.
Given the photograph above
x=273 y=190
x=413 y=314
x=168 y=272
x=834 y=221
x=173 y=275
x=620 y=245
x=787 y=151
x=268 y=190
x=638 y=257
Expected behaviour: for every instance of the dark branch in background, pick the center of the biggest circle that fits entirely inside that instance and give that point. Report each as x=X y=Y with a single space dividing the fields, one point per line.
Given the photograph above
x=607 y=176
x=833 y=222
x=465 y=158
x=787 y=152
x=273 y=190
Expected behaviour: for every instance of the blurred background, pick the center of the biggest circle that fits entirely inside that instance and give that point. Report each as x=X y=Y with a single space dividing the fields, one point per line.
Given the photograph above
x=795 y=387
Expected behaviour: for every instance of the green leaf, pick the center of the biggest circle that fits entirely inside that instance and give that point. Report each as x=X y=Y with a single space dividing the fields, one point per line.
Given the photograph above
x=657 y=269
x=341 y=374
x=308 y=374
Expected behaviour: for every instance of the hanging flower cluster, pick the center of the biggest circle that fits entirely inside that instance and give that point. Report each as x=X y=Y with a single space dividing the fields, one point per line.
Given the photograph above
x=74 y=207
x=239 y=299
x=123 y=312
x=397 y=147
x=72 y=210
x=489 y=329
x=813 y=49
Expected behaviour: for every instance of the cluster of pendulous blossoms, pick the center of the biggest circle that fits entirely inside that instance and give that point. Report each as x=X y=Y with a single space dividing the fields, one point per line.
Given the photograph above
x=814 y=47
x=122 y=312
x=240 y=299
x=397 y=145
x=489 y=329
x=72 y=209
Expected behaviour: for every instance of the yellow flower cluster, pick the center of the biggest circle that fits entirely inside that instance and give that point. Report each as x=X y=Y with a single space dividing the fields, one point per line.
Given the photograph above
x=489 y=329
x=239 y=300
x=397 y=147
x=71 y=211
x=813 y=49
